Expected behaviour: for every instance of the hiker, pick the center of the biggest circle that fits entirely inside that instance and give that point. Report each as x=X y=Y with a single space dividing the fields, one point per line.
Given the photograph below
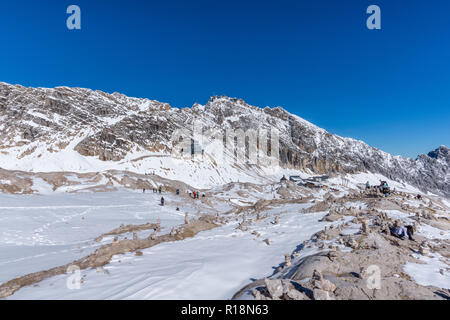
x=367 y=185
x=162 y=201
x=194 y=194
x=159 y=189
x=177 y=192
x=143 y=190
x=384 y=188
x=402 y=231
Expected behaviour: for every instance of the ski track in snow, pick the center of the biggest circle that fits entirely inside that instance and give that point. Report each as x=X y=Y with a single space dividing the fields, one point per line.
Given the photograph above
x=203 y=267
x=38 y=237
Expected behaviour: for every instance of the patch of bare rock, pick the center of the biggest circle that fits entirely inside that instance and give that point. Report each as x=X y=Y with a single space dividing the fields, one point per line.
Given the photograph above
x=363 y=265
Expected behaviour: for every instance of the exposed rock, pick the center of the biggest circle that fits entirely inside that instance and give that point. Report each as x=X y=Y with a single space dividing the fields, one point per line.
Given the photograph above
x=293 y=294
x=321 y=294
x=275 y=288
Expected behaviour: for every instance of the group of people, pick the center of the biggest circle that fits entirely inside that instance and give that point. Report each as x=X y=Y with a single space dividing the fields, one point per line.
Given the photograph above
x=383 y=187
x=159 y=190
x=196 y=194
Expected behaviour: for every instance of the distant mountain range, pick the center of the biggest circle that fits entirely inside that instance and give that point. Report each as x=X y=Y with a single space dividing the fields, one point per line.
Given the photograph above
x=75 y=129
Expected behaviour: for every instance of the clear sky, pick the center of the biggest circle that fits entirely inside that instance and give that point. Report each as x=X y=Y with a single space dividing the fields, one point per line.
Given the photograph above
x=317 y=59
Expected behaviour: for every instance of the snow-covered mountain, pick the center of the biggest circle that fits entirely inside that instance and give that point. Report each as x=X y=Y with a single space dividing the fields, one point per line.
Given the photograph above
x=81 y=130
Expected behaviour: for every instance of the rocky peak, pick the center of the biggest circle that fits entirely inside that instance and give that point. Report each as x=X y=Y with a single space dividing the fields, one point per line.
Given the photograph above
x=440 y=153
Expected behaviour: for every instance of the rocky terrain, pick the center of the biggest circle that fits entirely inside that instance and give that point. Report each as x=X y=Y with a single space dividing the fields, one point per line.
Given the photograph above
x=21 y=182
x=74 y=129
x=342 y=261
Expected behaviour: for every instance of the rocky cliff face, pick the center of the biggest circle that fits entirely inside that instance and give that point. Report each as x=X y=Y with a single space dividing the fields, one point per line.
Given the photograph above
x=108 y=127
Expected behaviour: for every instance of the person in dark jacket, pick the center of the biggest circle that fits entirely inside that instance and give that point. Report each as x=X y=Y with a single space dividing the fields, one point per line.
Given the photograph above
x=402 y=231
x=162 y=201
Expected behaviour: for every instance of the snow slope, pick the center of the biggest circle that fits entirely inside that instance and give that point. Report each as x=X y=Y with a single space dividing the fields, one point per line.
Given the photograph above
x=40 y=232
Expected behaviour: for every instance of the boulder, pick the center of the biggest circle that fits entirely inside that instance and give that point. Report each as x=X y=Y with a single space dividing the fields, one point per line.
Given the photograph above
x=275 y=288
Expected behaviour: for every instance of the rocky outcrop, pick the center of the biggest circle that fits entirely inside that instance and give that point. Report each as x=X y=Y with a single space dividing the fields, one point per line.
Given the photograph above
x=368 y=264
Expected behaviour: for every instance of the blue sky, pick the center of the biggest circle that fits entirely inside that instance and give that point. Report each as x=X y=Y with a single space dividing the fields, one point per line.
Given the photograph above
x=317 y=59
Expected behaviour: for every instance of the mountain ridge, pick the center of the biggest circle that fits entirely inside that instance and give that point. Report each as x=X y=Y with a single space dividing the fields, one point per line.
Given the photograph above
x=113 y=128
